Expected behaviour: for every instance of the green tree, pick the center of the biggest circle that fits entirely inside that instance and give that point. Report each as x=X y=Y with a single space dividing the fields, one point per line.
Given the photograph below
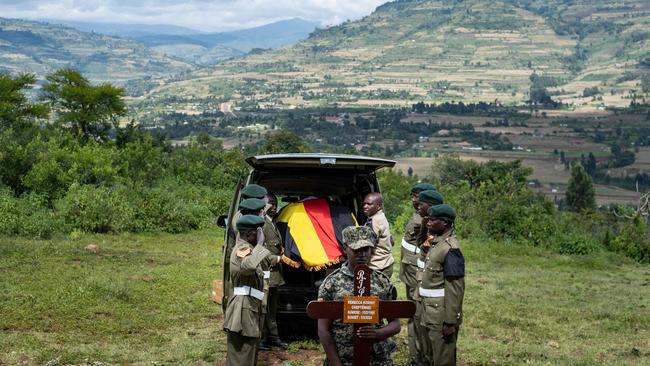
x=580 y=195
x=284 y=142
x=15 y=110
x=17 y=129
x=89 y=111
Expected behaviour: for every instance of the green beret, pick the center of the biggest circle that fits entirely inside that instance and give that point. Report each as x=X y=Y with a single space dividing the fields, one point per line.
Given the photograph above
x=253 y=191
x=422 y=187
x=252 y=204
x=443 y=211
x=431 y=197
x=249 y=222
x=357 y=237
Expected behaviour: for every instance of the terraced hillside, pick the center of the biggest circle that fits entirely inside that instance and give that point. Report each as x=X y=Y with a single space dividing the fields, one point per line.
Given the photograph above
x=438 y=51
x=41 y=48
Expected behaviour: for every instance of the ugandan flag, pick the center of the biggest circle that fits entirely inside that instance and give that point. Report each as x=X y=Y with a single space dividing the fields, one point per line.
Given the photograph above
x=311 y=231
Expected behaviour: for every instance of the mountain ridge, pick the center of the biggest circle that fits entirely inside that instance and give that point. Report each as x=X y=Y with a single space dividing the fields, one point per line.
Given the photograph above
x=41 y=48
x=440 y=51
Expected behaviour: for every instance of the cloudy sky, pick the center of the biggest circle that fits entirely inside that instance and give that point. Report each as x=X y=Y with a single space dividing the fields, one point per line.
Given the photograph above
x=205 y=15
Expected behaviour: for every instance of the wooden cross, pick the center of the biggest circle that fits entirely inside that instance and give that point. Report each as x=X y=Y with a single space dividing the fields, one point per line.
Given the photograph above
x=336 y=310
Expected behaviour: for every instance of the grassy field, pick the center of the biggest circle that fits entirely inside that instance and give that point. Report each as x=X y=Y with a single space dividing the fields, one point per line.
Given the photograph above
x=144 y=299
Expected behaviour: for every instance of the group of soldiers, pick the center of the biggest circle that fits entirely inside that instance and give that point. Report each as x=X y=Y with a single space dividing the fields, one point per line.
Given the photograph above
x=432 y=268
x=254 y=278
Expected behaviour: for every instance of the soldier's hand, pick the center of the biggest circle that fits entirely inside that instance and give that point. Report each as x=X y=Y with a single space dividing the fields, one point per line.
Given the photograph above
x=448 y=330
x=261 y=240
x=368 y=332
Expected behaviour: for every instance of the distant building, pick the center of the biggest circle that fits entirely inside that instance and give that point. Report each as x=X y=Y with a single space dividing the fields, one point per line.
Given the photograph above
x=334 y=119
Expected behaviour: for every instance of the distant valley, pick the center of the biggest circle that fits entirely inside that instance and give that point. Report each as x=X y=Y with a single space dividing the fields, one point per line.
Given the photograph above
x=201 y=48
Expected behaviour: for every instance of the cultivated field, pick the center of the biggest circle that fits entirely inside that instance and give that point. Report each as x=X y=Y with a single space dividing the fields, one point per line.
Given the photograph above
x=548 y=171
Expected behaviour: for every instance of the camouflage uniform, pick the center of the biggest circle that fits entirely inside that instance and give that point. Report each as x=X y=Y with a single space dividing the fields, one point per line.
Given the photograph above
x=441 y=288
x=244 y=312
x=340 y=283
x=408 y=275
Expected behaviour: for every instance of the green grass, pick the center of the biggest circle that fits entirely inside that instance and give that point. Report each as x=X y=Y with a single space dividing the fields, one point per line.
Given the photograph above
x=145 y=299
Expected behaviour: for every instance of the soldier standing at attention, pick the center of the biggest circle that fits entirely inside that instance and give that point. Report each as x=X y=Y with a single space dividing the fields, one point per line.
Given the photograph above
x=334 y=335
x=249 y=191
x=274 y=245
x=242 y=320
x=408 y=267
x=382 y=258
x=426 y=199
x=442 y=286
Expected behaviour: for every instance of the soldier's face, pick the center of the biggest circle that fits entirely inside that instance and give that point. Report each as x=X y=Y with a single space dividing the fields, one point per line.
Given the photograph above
x=423 y=207
x=272 y=209
x=415 y=199
x=249 y=235
x=436 y=225
x=358 y=256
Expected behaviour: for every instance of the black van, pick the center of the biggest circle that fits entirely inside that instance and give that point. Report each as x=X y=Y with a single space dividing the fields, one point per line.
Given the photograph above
x=344 y=179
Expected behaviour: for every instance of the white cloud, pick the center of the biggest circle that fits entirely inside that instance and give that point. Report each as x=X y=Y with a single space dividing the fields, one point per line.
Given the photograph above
x=198 y=14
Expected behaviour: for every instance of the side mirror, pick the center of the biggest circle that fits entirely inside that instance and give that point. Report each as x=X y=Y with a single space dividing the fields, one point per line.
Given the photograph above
x=222 y=221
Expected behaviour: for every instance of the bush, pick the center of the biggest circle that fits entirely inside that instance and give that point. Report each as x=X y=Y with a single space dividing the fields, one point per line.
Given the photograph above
x=633 y=240
x=568 y=242
x=96 y=209
x=166 y=209
x=26 y=216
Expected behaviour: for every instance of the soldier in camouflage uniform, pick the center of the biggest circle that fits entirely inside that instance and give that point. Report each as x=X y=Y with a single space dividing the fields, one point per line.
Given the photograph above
x=441 y=286
x=244 y=312
x=334 y=335
x=274 y=245
x=408 y=268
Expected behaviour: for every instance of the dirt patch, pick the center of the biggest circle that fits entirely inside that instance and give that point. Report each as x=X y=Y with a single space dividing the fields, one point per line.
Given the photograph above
x=306 y=357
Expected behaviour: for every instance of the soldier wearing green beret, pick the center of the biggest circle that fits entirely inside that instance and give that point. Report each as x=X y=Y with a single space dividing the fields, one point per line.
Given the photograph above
x=252 y=203
x=408 y=269
x=426 y=199
x=271 y=337
x=334 y=335
x=253 y=191
x=244 y=311
x=441 y=286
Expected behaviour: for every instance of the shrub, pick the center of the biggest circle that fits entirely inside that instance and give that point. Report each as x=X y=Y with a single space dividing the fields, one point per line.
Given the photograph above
x=96 y=209
x=26 y=216
x=165 y=209
x=633 y=240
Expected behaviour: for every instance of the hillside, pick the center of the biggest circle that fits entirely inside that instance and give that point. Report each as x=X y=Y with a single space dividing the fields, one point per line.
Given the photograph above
x=438 y=51
x=211 y=48
x=41 y=48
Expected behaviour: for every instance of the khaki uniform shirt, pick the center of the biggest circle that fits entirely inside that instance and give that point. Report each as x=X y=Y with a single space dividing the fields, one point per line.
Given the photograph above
x=381 y=256
x=274 y=245
x=244 y=312
x=411 y=232
x=441 y=309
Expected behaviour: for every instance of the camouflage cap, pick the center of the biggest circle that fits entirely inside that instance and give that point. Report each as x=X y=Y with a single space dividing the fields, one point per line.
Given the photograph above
x=252 y=204
x=431 y=197
x=442 y=211
x=249 y=222
x=356 y=237
x=253 y=191
x=422 y=187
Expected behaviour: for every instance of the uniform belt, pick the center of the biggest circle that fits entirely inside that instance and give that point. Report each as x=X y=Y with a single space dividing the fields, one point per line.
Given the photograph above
x=410 y=247
x=267 y=274
x=421 y=264
x=249 y=291
x=431 y=292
